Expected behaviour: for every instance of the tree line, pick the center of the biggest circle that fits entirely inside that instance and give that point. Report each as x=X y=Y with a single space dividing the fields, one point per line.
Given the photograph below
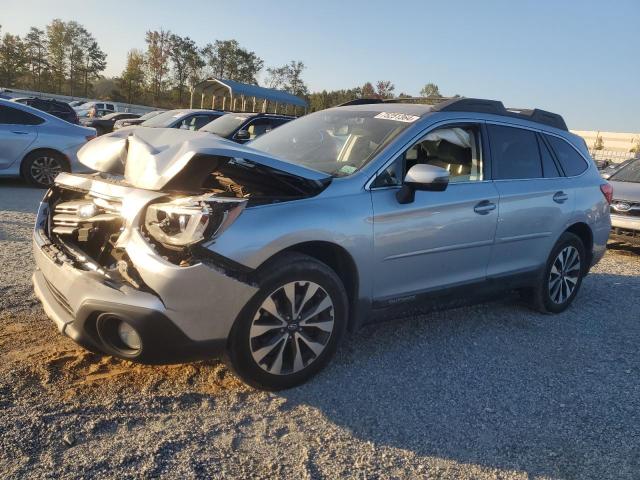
x=65 y=58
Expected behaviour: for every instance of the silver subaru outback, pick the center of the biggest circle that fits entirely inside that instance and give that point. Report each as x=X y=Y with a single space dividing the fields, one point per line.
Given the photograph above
x=183 y=246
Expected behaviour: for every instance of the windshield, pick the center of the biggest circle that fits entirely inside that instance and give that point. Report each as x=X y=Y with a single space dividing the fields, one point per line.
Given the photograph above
x=163 y=119
x=338 y=142
x=225 y=125
x=628 y=173
x=149 y=115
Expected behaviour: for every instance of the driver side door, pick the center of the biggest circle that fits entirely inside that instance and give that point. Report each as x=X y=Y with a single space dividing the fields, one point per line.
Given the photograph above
x=441 y=239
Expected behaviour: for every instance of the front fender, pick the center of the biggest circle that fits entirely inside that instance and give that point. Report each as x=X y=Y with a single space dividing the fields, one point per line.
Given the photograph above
x=263 y=231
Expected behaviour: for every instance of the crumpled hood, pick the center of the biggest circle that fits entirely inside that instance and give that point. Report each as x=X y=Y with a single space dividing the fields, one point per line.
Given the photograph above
x=153 y=156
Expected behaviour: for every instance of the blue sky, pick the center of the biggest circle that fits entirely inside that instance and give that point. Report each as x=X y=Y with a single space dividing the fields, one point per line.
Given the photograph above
x=581 y=59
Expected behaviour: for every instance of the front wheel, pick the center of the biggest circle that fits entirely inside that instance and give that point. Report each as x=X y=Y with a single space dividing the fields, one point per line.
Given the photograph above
x=291 y=327
x=560 y=282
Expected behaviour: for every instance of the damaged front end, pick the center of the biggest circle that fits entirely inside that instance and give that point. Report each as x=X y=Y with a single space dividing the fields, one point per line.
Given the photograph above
x=120 y=254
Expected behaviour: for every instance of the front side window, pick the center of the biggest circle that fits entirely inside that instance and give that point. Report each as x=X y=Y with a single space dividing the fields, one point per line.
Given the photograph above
x=14 y=116
x=259 y=127
x=570 y=160
x=338 y=141
x=514 y=153
x=194 y=122
x=456 y=149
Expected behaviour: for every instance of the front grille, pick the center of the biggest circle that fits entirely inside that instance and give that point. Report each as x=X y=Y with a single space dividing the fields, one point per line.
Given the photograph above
x=625 y=207
x=70 y=216
x=59 y=297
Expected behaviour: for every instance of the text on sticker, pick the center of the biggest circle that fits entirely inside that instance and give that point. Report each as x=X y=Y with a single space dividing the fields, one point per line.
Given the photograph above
x=398 y=117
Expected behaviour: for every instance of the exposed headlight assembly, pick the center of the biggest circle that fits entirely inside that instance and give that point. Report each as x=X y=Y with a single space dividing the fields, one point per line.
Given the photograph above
x=186 y=221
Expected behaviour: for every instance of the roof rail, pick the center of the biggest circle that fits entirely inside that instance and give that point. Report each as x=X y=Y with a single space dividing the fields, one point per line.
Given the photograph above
x=496 y=107
x=360 y=101
x=477 y=105
x=423 y=100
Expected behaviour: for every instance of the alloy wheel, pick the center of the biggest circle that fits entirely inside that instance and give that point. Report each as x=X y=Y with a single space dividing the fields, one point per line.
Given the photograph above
x=45 y=169
x=564 y=274
x=291 y=328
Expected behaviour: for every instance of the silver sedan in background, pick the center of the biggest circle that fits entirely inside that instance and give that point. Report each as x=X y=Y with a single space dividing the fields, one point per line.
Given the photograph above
x=184 y=119
x=37 y=146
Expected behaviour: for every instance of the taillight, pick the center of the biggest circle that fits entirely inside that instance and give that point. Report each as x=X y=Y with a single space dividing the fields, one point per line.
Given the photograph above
x=607 y=191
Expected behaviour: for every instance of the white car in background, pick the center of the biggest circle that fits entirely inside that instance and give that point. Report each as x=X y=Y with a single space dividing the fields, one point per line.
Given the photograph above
x=37 y=146
x=97 y=106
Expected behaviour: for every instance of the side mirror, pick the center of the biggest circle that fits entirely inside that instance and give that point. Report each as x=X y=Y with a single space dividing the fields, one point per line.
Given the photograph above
x=242 y=135
x=422 y=177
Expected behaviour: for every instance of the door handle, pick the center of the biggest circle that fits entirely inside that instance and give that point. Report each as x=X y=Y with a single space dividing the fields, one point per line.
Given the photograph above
x=18 y=132
x=484 y=207
x=560 y=197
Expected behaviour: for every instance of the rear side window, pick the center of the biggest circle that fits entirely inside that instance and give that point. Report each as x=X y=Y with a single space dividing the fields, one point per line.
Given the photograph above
x=549 y=167
x=514 y=153
x=570 y=160
x=13 y=116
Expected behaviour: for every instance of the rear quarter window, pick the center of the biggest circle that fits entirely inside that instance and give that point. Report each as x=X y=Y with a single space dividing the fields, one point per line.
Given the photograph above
x=571 y=161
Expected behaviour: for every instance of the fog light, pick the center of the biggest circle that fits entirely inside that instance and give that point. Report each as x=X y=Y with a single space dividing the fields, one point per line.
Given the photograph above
x=129 y=336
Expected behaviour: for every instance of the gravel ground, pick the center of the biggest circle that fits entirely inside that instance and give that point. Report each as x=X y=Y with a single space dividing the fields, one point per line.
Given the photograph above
x=490 y=391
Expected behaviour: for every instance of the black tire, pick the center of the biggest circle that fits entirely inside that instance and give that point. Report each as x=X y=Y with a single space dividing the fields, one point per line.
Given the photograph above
x=539 y=297
x=272 y=277
x=40 y=168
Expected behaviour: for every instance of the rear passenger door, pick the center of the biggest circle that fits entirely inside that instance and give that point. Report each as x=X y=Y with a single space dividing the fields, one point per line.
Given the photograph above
x=536 y=201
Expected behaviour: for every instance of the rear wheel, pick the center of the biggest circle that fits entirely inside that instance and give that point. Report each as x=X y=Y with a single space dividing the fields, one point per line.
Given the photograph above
x=560 y=282
x=41 y=168
x=291 y=328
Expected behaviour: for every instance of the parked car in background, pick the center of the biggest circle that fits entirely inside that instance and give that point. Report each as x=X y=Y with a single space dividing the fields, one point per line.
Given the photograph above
x=77 y=103
x=135 y=121
x=243 y=127
x=105 y=124
x=36 y=145
x=92 y=113
x=625 y=207
x=268 y=255
x=53 y=107
x=97 y=106
x=186 y=119
x=612 y=168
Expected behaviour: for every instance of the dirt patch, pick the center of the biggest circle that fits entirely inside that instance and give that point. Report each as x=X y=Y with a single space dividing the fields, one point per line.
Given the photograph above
x=33 y=349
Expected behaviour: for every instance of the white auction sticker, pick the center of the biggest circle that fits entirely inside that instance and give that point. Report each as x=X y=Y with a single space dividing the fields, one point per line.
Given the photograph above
x=398 y=117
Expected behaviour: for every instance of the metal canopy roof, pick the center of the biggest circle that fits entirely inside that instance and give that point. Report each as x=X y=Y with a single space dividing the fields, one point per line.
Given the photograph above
x=232 y=89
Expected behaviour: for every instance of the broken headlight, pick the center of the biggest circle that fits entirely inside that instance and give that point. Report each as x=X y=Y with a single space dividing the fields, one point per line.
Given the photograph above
x=185 y=221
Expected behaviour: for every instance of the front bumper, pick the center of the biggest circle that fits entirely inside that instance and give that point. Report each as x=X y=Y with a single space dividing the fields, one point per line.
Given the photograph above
x=625 y=228
x=185 y=314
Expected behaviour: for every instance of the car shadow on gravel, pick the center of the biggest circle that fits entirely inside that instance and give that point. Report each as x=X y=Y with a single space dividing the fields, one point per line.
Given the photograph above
x=623 y=248
x=498 y=385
